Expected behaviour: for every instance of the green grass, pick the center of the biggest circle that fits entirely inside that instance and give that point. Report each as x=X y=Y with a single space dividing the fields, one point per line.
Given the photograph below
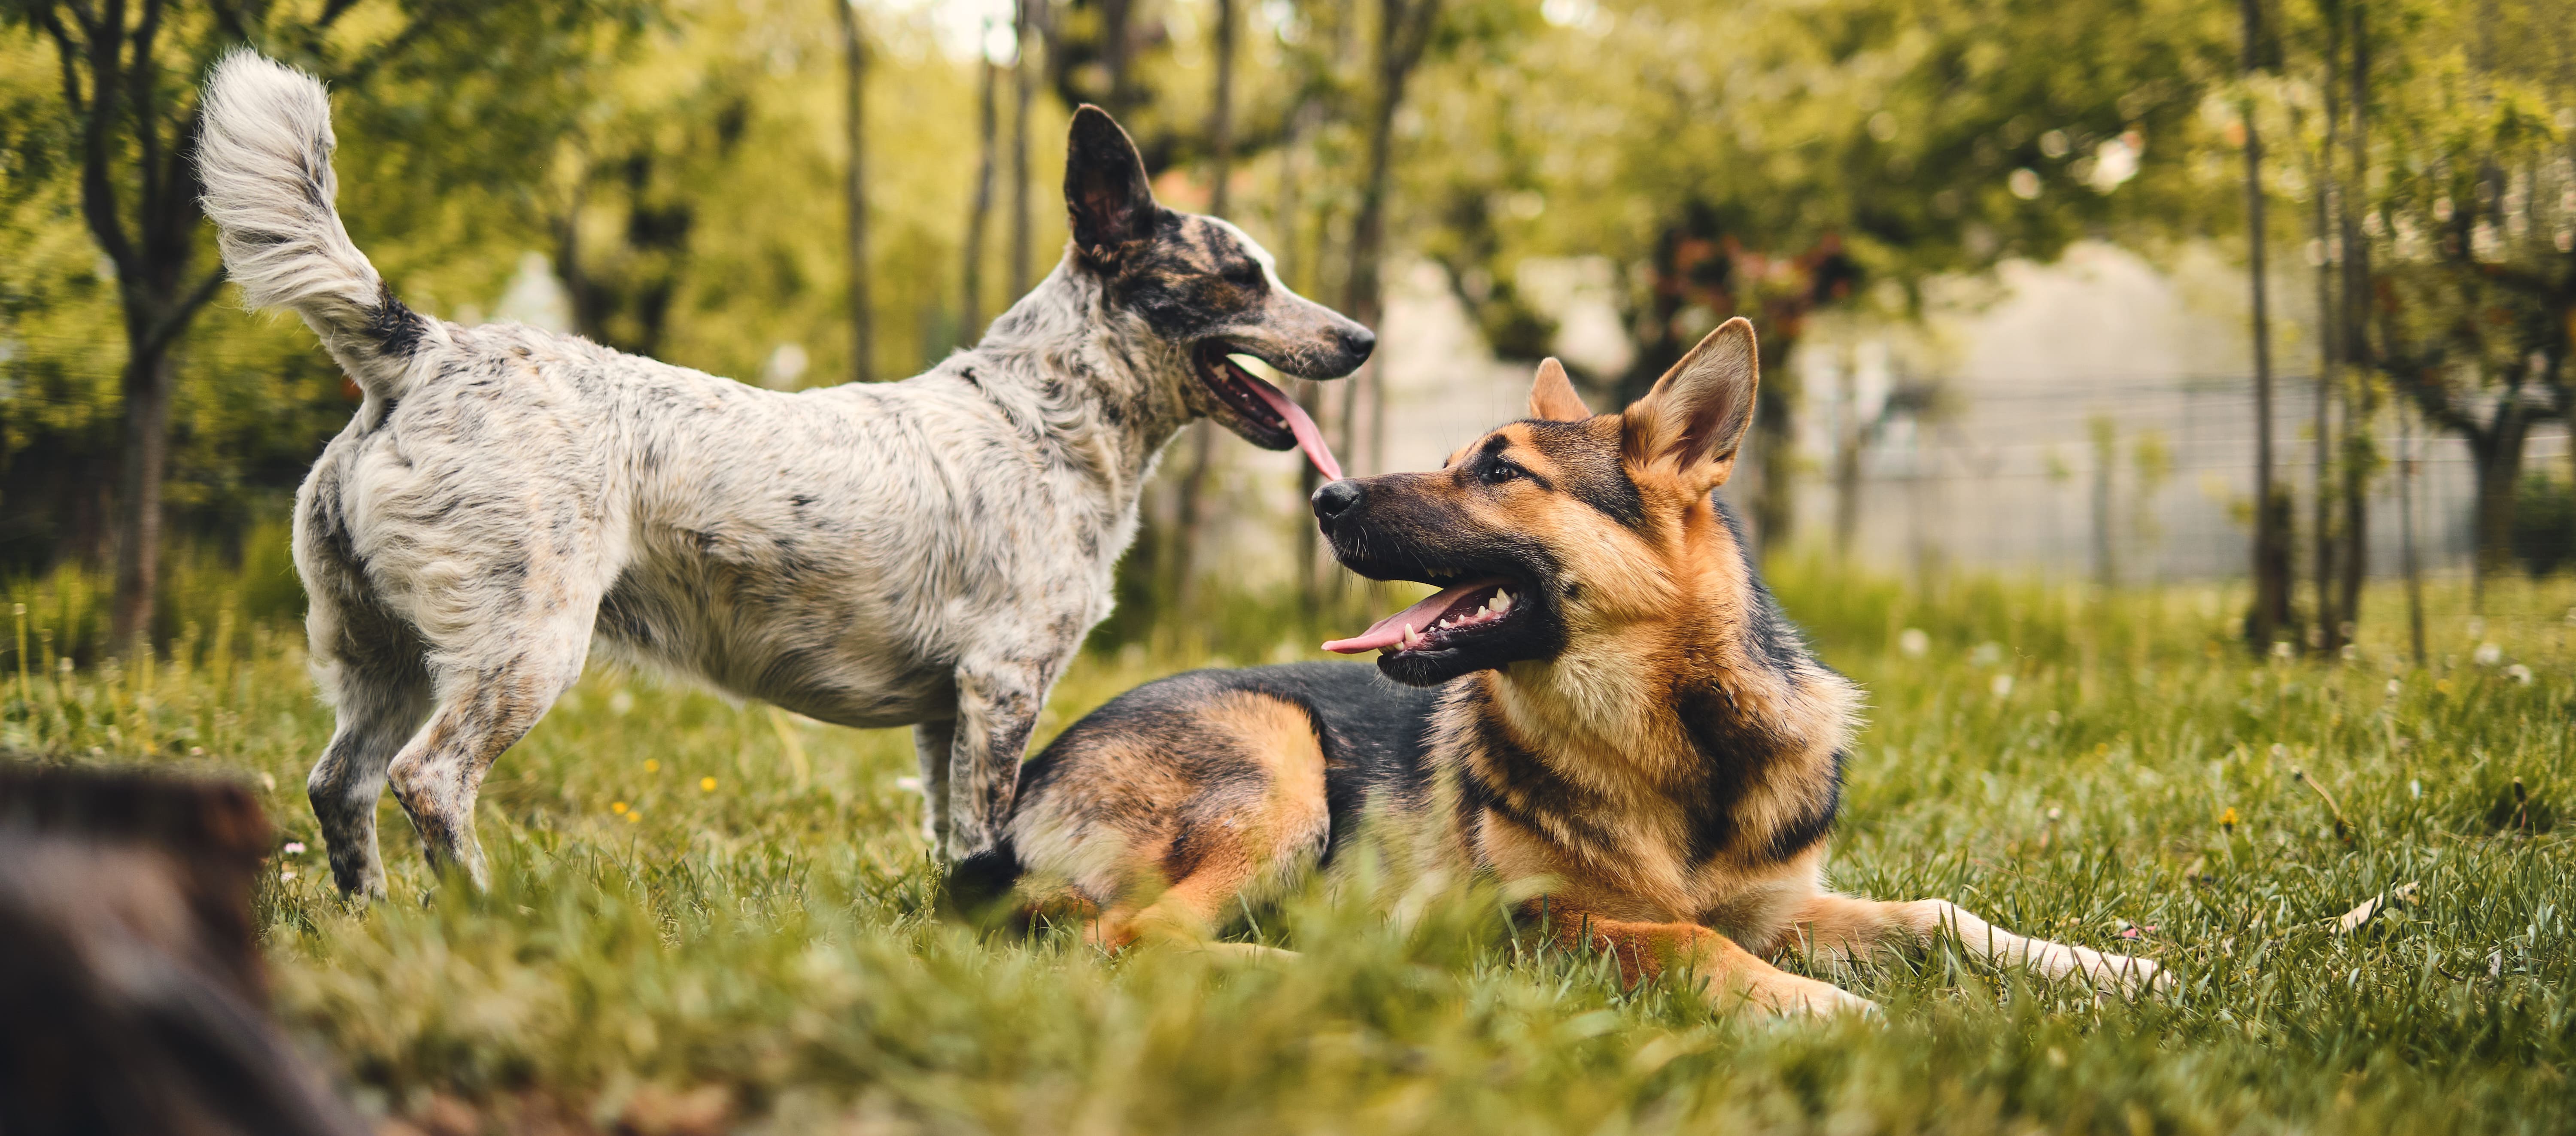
x=760 y=955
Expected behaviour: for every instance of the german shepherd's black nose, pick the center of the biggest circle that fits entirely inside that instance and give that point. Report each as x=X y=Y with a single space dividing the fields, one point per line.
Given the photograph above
x=1335 y=498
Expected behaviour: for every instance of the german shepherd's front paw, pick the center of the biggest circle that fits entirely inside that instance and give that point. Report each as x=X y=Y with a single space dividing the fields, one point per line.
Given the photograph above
x=2129 y=976
x=1791 y=996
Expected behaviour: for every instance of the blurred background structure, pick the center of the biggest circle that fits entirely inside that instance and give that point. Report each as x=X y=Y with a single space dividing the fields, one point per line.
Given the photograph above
x=2032 y=277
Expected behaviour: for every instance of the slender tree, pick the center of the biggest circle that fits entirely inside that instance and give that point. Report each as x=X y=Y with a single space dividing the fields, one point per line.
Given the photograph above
x=2271 y=545
x=2327 y=199
x=1221 y=113
x=1025 y=17
x=2406 y=554
x=1403 y=34
x=128 y=79
x=854 y=66
x=979 y=214
x=1191 y=518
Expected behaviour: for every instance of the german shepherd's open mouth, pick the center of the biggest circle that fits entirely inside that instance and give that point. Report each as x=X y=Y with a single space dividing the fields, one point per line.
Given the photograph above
x=1496 y=600
x=1479 y=609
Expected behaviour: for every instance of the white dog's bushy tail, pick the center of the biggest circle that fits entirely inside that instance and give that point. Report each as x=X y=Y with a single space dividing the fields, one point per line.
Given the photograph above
x=264 y=156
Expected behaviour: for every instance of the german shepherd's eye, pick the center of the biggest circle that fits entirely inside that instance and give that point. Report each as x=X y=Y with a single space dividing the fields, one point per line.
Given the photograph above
x=1498 y=471
x=1242 y=274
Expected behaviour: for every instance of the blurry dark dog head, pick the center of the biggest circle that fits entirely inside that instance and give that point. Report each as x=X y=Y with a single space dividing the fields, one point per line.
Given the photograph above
x=1564 y=528
x=1205 y=289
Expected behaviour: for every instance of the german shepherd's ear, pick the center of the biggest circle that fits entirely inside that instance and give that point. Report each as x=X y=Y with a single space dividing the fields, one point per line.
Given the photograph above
x=1107 y=200
x=1693 y=422
x=1552 y=397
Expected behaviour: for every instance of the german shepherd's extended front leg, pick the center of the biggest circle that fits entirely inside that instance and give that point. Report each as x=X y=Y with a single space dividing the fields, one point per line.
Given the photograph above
x=1844 y=927
x=1727 y=974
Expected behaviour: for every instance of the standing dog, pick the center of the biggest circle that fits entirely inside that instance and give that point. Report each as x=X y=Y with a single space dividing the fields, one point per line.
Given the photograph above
x=925 y=553
x=1602 y=695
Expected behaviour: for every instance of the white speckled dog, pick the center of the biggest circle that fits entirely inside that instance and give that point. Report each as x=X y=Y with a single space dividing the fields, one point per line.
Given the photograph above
x=928 y=552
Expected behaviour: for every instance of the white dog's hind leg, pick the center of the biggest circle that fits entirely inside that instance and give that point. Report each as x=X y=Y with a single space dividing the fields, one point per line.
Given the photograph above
x=373 y=669
x=481 y=711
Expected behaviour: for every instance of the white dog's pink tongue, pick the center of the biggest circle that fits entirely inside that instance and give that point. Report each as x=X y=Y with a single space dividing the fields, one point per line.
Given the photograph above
x=1309 y=438
x=1390 y=631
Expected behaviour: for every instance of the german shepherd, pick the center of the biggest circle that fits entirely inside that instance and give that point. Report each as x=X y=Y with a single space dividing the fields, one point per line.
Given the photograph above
x=1602 y=701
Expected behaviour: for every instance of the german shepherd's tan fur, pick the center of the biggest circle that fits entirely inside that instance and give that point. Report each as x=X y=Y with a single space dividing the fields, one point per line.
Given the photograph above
x=1638 y=726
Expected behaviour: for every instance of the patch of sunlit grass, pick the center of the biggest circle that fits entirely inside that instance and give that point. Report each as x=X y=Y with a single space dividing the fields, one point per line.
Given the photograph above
x=707 y=915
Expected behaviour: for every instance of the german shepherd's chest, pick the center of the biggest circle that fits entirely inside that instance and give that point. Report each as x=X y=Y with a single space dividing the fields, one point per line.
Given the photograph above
x=1677 y=818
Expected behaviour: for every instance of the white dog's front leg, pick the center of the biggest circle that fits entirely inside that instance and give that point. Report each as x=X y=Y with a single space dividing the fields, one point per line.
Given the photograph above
x=997 y=708
x=935 y=743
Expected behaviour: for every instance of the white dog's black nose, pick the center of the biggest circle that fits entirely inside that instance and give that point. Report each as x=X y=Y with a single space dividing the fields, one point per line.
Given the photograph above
x=1335 y=498
x=1358 y=342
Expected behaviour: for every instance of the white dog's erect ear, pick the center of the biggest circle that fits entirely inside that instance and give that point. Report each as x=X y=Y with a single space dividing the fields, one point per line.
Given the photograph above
x=1552 y=397
x=1694 y=420
x=1107 y=199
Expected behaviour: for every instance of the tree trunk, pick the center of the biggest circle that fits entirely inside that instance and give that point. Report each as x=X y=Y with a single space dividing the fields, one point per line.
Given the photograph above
x=2106 y=454
x=1221 y=114
x=854 y=65
x=2353 y=560
x=1023 y=84
x=2497 y=452
x=970 y=326
x=1190 y=516
x=2329 y=200
x=1847 y=465
x=1187 y=526
x=1775 y=450
x=2407 y=561
x=2271 y=546
x=1403 y=28
x=1364 y=293
x=1117 y=55
x=148 y=382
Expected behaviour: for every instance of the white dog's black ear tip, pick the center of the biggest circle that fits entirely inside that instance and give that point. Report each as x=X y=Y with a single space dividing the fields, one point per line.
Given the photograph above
x=1096 y=136
x=1105 y=187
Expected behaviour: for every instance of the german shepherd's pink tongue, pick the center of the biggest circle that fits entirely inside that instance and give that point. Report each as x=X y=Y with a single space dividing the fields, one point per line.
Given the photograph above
x=1309 y=438
x=1413 y=622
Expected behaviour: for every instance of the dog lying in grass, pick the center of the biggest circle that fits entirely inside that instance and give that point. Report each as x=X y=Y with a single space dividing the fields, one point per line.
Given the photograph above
x=926 y=553
x=1602 y=696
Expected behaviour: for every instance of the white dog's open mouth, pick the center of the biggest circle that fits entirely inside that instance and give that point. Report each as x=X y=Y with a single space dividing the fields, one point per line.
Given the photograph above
x=1264 y=409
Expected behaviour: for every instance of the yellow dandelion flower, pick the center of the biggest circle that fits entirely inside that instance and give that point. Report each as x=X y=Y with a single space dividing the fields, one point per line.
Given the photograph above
x=706 y=784
x=652 y=766
x=618 y=807
x=634 y=816
x=2227 y=820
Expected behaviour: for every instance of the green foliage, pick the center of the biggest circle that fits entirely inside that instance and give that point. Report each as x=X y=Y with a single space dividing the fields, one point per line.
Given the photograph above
x=680 y=161
x=759 y=954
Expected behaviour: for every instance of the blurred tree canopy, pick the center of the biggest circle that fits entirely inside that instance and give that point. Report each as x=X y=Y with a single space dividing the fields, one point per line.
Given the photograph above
x=676 y=164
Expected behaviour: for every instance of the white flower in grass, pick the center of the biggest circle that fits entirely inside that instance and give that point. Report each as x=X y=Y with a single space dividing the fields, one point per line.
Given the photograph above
x=2488 y=655
x=2519 y=673
x=294 y=848
x=2002 y=686
x=1913 y=643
